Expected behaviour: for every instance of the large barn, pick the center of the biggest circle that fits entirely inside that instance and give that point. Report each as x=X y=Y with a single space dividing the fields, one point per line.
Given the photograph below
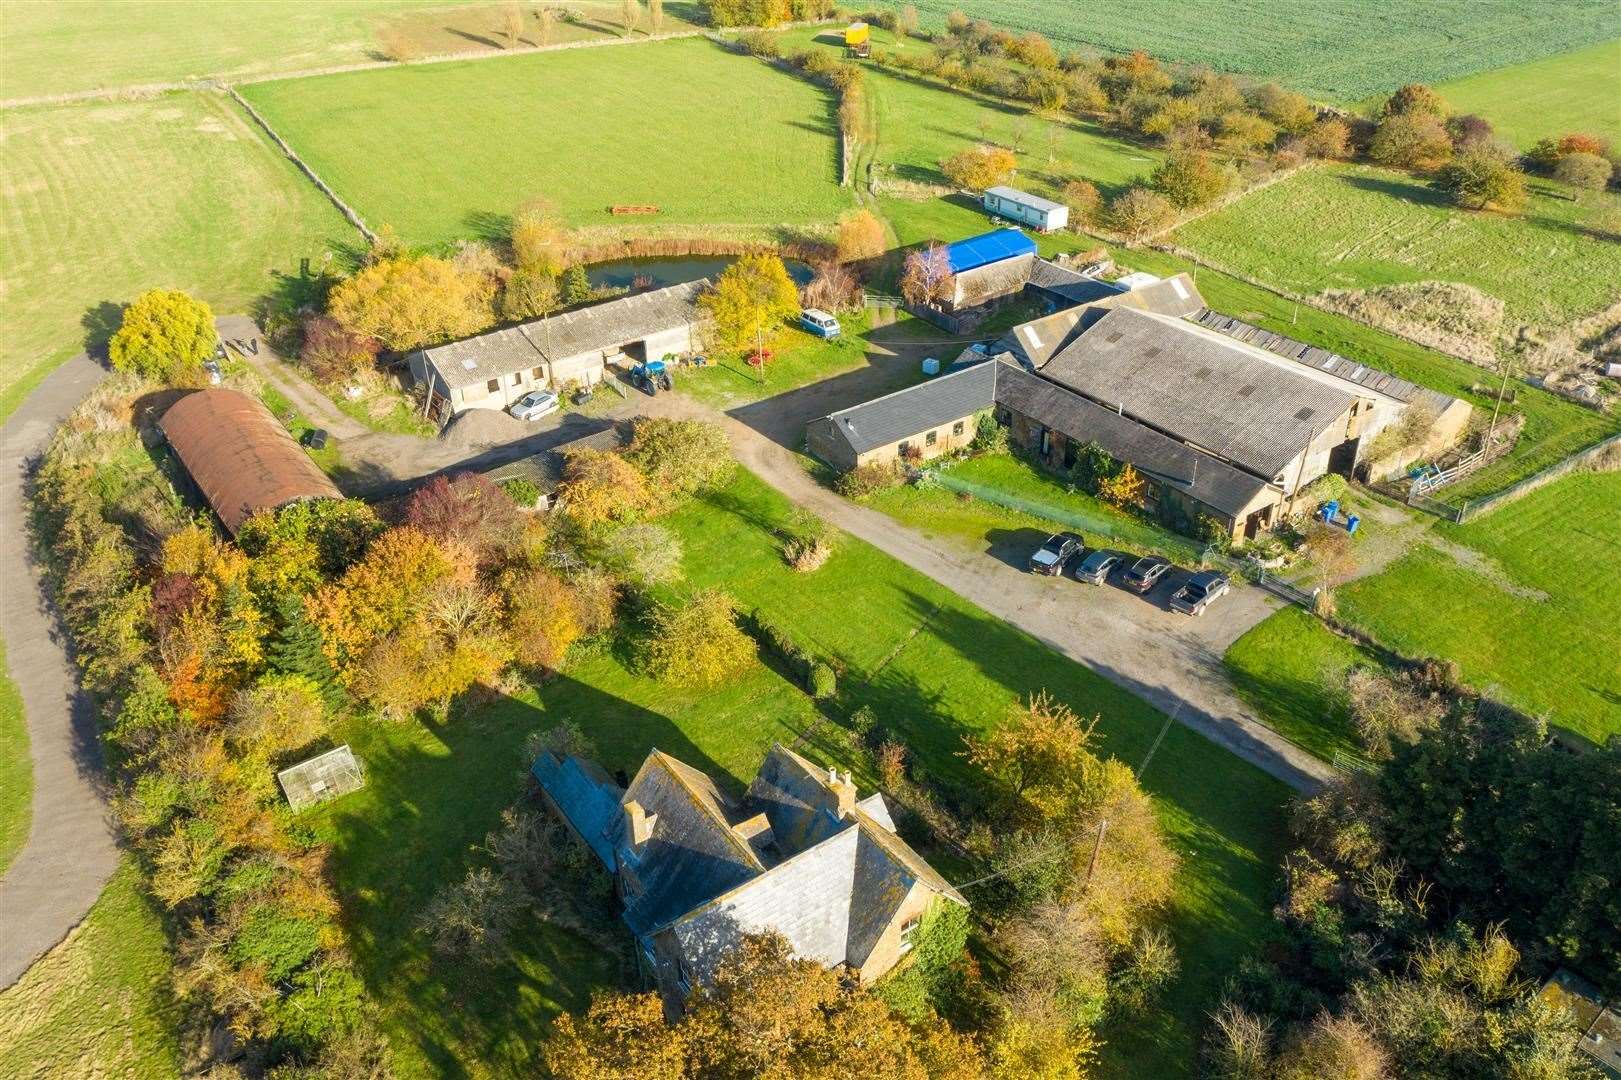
x=240 y=457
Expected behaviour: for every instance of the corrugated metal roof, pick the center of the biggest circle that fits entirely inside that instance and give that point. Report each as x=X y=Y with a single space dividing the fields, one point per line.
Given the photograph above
x=1189 y=382
x=987 y=248
x=1036 y=341
x=241 y=457
x=1035 y=202
x=896 y=416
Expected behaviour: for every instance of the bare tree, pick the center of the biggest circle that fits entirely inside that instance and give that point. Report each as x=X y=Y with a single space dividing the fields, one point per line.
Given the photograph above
x=630 y=13
x=927 y=277
x=655 y=15
x=546 y=18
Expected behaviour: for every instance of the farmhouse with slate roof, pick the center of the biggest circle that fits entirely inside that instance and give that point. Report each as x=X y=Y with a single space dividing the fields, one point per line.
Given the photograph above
x=493 y=370
x=799 y=854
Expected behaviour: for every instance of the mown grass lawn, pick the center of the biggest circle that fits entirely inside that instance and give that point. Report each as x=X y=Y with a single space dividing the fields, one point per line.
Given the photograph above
x=1356 y=227
x=1541 y=99
x=930 y=665
x=1291 y=669
x=442 y=151
x=1535 y=622
x=1342 y=50
x=1006 y=492
x=16 y=771
x=106 y=200
x=99 y=1003
x=64 y=48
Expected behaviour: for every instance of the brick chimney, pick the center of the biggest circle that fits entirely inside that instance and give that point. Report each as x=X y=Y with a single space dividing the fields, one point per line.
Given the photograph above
x=845 y=790
x=638 y=823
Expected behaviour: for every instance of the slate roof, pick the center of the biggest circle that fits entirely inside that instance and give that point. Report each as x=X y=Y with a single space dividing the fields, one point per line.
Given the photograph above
x=893 y=417
x=1332 y=363
x=585 y=795
x=693 y=853
x=597 y=328
x=1036 y=341
x=833 y=898
x=1198 y=385
x=1035 y=202
x=240 y=456
x=1200 y=476
x=987 y=248
x=1068 y=285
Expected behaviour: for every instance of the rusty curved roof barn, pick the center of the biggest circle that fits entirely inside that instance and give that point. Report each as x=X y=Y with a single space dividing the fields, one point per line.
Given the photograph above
x=240 y=456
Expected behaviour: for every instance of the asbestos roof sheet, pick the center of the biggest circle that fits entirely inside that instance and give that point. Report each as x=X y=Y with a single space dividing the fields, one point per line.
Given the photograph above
x=1199 y=386
x=240 y=456
x=1207 y=479
x=595 y=329
x=988 y=248
x=897 y=416
x=1332 y=363
x=1036 y=341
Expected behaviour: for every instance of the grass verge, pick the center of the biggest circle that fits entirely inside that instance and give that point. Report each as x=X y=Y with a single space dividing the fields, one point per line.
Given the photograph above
x=16 y=770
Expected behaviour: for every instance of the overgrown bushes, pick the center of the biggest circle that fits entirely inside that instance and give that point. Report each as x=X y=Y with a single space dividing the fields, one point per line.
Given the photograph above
x=864 y=480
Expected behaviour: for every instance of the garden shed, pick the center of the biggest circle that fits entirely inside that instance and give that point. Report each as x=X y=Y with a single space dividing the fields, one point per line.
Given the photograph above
x=989 y=266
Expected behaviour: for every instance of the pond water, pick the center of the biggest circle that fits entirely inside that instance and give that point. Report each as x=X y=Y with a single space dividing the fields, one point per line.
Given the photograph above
x=673 y=270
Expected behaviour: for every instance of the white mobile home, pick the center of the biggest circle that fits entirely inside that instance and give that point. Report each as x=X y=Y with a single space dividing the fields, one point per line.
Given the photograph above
x=1025 y=208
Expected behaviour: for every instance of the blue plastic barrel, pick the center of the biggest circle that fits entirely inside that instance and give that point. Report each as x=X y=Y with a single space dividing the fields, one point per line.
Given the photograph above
x=1351 y=523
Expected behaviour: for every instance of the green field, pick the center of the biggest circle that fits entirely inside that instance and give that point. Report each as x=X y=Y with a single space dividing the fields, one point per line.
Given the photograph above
x=16 y=772
x=1554 y=427
x=97 y=1005
x=1008 y=493
x=1291 y=669
x=103 y=201
x=1354 y=227
x=928 y=663
x=1532 y=617
x=1574 y=91
x=61 y=48
x=1342 y=50
x=448 y=150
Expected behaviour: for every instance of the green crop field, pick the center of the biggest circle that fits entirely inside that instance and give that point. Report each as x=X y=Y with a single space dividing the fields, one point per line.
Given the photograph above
x=1574 y=91
x=106 y=200
x=928 y=663
x=1530 y=613
x=448 y=150
x=63 y=48
x=1353 y=227
x=1342 y=50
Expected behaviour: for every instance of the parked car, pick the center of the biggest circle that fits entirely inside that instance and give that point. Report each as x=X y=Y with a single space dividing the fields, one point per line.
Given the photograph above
x=1198 y=592
x=1142 y=575
x=1059 y=549
x=534 y=405
x=819 y=323
x=1096 y=567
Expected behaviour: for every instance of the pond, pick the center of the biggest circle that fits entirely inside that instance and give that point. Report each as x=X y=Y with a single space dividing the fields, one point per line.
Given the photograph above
x=674 y=269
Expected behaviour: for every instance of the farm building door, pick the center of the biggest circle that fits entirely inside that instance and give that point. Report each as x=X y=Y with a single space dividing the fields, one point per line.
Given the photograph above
x=1342 y=459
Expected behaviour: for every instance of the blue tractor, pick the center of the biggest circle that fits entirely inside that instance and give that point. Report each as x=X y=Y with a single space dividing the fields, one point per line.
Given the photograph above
x=651 y=377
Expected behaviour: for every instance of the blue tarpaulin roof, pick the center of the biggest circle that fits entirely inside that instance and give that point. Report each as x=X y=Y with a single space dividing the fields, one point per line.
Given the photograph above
x=988 y=248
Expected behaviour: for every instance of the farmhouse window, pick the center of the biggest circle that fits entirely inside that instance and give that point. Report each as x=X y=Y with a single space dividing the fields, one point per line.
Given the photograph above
x=908 y=932
x=536 y=374
x=493 y=385
x=517 y=377
x=903 y=448
x=931 y=438
x=1046 y=442
x=957 y=428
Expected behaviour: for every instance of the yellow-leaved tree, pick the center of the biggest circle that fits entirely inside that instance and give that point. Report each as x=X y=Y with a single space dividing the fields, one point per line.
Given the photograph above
x=749 y=301
x=412 y=301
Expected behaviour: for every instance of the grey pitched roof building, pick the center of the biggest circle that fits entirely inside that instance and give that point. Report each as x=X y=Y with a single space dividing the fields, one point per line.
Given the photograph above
x=1201 y=477
x=1036 y=341
x=545 y=468
x=1069 y=286
x=798 y=855
x=1207 y=389
x=587 y=330
x=895 y=416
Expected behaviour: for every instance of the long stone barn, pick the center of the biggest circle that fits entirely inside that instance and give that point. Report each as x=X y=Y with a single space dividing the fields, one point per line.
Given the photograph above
x=1219 y=427
x=493 y=370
